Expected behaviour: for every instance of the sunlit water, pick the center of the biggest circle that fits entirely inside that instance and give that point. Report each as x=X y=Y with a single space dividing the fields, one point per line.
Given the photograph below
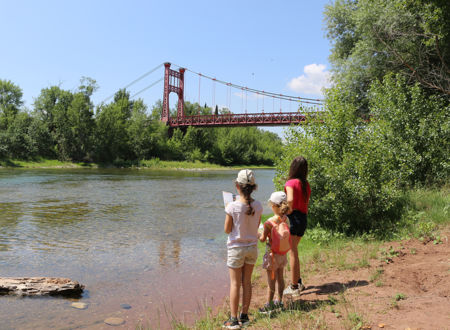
x=150 y=239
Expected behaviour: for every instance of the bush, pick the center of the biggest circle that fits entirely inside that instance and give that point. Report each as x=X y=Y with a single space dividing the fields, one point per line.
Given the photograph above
x=416 y=130
x=321 y=236
x=352 y=176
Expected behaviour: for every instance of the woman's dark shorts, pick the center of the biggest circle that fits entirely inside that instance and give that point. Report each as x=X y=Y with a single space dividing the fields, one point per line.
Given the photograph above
x=297 y=222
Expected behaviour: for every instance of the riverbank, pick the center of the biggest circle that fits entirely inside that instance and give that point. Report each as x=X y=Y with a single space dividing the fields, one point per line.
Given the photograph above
x=365 y=283
x=154 y=163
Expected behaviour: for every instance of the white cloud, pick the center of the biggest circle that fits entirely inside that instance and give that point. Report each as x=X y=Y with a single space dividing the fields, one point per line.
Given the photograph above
x=312 y=81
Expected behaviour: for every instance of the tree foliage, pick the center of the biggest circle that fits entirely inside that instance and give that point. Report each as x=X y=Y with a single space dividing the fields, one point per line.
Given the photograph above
x=371 y=38
x=390 y=62
x=353 y=180
x=63 y=125
x=416 y=130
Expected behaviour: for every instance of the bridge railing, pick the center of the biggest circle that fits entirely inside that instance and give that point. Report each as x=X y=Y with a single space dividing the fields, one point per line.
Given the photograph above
x=250 y=119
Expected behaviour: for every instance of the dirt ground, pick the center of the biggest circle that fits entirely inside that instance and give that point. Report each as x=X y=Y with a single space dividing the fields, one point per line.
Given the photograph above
x=407 y=287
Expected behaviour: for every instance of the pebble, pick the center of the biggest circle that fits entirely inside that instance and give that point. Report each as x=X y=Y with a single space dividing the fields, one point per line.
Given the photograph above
x=79 y=305
x=125 y=306
x=114 y=321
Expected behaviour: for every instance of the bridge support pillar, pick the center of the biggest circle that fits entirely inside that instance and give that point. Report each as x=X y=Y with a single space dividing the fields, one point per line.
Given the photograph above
x=173 y=82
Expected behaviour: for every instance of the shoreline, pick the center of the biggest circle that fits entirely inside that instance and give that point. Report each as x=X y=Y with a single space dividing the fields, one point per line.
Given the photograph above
x=153 y=164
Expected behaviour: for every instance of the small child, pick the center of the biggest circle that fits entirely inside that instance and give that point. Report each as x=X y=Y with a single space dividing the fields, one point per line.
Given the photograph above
x=242 y=220
x=274 y=260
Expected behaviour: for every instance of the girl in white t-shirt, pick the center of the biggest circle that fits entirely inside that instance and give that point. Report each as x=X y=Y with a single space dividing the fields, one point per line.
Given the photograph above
x=242 y=220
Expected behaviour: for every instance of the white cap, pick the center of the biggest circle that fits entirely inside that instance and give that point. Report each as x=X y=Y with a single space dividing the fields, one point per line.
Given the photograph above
x=277 y=197
x=246 y=177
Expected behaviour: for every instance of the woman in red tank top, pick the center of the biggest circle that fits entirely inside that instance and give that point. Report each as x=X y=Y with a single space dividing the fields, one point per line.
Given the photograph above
x=298 y=192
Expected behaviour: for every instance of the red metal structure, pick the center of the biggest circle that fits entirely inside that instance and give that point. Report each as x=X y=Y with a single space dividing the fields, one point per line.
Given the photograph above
x=174 y=82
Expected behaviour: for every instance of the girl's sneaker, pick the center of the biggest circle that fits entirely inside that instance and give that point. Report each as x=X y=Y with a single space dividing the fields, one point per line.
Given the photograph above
x=278 y=305
x=267 y=308
x=244 y=320
x=292 y=290
x=231 y=323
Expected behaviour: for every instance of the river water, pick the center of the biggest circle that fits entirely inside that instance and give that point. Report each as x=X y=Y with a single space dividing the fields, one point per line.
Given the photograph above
x=151 y=239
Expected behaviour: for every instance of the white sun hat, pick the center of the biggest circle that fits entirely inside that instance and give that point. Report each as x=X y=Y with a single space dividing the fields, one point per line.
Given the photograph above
x=246 y=177
x=277 y=197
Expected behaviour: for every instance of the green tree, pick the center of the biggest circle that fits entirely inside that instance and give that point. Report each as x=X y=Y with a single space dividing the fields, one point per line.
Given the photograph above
x=147 y=137
x=352 y=174
x=51 y=106
x=10 y=102
x=80 y=115
x=112 y=136
x=416 y=127
x=20 y=145
x=371 y=38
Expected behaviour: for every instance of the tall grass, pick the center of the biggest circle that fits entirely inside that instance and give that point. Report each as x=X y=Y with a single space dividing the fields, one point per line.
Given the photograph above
x=432 y=204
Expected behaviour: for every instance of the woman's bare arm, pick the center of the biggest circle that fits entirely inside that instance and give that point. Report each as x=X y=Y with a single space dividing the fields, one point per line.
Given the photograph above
x=290 y=198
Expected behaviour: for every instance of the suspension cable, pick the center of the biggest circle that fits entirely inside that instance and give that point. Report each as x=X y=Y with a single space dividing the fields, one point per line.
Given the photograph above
x=136 y=80
x=149 y=86
x=199 y=78
x=257 y=101
x=263 y=103
x=245 y=100
x=213 y=106
x=278 y=96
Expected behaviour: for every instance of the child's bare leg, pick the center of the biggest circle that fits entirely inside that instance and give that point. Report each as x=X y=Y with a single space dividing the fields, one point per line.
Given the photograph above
x=280 y=281
x=271 y=285
x=247 y=287
x=235 y=286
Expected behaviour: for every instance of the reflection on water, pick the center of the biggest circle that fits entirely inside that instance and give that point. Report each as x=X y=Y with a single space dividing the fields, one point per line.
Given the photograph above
x=169 y=252
x=145 y=238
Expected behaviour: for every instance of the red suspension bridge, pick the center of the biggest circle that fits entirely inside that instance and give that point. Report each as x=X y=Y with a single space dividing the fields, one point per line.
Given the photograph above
x=174 y=82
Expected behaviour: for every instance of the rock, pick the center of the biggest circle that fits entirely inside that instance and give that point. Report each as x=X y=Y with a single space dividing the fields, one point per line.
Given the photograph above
x=125 y=306
x=39 y=286
x=114 y=321
x=79 y=305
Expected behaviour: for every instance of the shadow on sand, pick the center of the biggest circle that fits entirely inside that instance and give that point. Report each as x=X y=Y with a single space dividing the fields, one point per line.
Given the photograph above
x=333 y=287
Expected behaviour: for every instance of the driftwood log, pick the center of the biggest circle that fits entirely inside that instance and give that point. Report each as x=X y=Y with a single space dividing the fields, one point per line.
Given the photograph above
x=39 y=286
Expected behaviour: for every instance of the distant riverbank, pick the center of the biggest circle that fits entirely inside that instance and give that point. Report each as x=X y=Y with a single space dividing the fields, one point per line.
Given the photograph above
x=154 y=163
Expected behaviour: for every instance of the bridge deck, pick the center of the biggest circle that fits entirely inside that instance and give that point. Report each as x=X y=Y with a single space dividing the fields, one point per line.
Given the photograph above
x=251 y=119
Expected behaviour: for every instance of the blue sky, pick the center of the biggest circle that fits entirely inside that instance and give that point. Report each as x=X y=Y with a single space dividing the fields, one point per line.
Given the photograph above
x=273 y=46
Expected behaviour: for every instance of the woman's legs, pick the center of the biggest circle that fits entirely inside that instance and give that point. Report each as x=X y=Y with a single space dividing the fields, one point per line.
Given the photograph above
x=247 y=287
x=236 y=276
x=294 y=260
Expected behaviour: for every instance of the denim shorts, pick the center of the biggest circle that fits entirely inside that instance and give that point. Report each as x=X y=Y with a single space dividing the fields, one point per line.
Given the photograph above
x=240 y=255
x=297 y=223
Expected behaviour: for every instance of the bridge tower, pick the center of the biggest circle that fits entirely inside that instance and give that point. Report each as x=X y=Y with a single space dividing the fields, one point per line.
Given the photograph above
x=173 y=82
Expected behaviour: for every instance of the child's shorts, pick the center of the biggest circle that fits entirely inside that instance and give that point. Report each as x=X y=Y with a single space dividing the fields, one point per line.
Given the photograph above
x=238 y=256
x=278 y=261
